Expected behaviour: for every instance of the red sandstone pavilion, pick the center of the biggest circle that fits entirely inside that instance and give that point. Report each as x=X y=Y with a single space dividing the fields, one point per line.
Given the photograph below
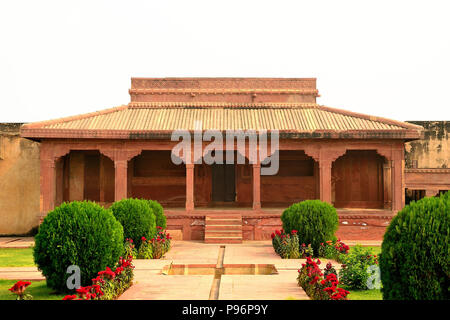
x=350 y=160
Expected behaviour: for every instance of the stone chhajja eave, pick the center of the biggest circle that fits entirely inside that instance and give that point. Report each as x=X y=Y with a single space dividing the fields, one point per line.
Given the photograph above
x=163 y=135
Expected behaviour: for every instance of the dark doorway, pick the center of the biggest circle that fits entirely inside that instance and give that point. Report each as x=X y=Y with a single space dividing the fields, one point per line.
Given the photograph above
x=223 y=183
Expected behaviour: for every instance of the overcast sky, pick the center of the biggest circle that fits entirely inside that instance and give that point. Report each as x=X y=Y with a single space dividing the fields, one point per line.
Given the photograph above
x=384 y=58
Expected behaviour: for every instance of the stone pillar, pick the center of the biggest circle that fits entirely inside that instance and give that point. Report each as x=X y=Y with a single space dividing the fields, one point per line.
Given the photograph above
x=387 y=184
x=325 y=180
x=397 y=184
x=189 y=187
x=120 y=179
x=102 y=179
x=47 y=201
x=256 y=186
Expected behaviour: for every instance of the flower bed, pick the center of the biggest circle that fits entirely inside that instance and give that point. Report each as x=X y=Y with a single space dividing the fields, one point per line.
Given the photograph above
x=316 y=285
x=286 y=245
x=335 y=250
x=154 y=248
x=108 y=285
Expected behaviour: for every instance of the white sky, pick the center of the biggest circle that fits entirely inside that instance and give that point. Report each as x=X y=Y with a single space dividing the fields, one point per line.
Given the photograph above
x=384 y=58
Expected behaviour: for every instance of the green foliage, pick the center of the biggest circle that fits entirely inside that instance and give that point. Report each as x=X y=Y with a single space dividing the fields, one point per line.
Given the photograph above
x=355 y=271
x=315 y=221
x=161 y=244
x=335 y=250
x=306 y=251
x=77 y=233
x=286 y=245
x=145 y=250
x=415 y=258
x=129 y=248
x=158 y=211
x=136 y=218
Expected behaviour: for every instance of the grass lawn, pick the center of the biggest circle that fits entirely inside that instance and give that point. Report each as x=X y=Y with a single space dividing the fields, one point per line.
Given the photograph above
x=375 y=250
x=374 y=294
x=11 y=257
x=38 y=289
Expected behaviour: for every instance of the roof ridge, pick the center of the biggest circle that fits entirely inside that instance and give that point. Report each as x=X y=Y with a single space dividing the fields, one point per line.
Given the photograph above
x=370 y=117
x=217 y=104
x=39 y=124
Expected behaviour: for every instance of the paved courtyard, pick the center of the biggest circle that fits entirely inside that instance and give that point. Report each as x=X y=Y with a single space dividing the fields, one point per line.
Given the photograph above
x=151 y=284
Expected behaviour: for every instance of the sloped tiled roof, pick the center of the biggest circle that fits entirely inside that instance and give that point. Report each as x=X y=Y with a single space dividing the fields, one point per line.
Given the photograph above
x=152 y=119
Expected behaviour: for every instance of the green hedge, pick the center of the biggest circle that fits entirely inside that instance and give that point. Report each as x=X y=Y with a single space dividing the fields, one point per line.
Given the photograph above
x=136 y=218
x=158 y=211
x=315 y=221
x=415 y=254
x=77 y=233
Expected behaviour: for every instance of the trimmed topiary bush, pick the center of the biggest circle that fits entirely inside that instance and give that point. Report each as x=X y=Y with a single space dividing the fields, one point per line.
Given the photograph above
x=136 y=218
x=415 y=254
x=77 y=233
x=315 y=221
x=158 y=211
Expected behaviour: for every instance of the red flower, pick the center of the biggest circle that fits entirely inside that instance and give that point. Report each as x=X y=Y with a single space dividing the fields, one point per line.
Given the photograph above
x=272 y=235
x=108 y=273
x=143 y=239
x=70 y=297
x=19 y=287
x=294 y=231
x=278 y=232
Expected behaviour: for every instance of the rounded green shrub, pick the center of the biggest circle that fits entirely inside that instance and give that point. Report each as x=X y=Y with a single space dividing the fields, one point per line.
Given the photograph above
x=136 y=218
x=415 y=254
x=316 y=222
x=83 y=234
x=158 y=211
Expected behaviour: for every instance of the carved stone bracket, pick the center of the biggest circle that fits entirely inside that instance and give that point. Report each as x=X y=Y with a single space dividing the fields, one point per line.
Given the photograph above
x=120 y=154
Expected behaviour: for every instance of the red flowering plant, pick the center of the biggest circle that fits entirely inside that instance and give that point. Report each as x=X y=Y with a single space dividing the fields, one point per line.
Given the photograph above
x=130 y=248
x=306 y=251
x=333 y=250
x=329 y=269
x=145 y=249
x=19 y=289
x=331 y=288
x=311 y=279
x=286 y=245
x=161 y=243
x=109 y=284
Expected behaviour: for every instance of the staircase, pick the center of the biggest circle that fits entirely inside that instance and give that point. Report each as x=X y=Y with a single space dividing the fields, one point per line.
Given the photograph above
x=223 y=228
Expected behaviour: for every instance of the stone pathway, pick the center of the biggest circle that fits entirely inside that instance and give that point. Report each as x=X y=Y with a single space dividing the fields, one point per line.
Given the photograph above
x=21 y=273
x=16 y=242
x=150 y=284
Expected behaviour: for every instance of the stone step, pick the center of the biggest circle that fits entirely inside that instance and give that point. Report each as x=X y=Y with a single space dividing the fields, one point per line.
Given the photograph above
x=223 y=240
x=223 y=227
x=223 y=233
x=223 y=221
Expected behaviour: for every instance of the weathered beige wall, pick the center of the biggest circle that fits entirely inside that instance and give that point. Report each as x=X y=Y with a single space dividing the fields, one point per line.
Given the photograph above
x=19 y=181
x=434 y=150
